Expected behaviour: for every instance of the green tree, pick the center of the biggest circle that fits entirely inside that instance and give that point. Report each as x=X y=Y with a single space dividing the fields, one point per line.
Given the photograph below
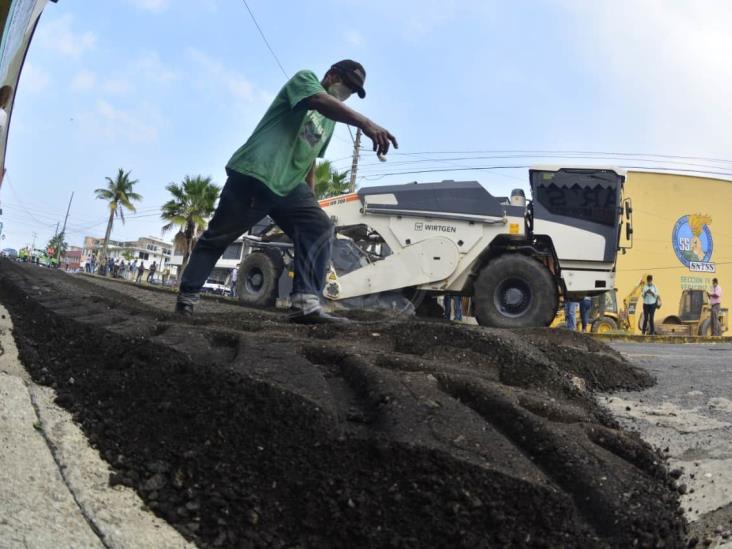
x=58 y=244
x=120 y=196
x=329 y=181
x=193 y=203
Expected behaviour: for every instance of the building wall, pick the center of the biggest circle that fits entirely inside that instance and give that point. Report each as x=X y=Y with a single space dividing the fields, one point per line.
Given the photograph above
x=682 y=227
x=144 y=249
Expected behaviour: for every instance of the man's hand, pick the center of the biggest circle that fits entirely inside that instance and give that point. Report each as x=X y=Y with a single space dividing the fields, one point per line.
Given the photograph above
x=380 y=137
x=334 y=109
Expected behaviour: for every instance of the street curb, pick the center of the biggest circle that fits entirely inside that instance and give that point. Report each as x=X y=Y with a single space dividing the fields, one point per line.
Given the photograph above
x=633 y=338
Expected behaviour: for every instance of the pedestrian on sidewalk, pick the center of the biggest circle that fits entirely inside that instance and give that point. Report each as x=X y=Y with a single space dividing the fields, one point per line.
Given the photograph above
x=133 y=269
x=650 y=304
x=140 y=272
x=584 y=306
x=273 y=174
x=234 y=279
x=151 y=274
x=715 y=300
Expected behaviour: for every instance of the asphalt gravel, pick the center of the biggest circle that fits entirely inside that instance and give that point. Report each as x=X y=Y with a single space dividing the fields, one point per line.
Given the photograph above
x=688 y=416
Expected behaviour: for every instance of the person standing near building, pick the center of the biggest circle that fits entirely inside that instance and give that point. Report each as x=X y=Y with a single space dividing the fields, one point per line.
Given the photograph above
x=650 y=304
x=140 y=272
x=234 y=279
x=151 y=274
x=273 y=174
x=715 y=300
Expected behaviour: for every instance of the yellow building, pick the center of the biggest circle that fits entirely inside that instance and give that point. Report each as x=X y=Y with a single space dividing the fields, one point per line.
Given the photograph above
x=682 y=236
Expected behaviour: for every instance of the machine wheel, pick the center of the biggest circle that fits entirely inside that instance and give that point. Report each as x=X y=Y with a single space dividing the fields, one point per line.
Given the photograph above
x=705 y=328
x=604 y=324
x=259 y=274
x=515 y=291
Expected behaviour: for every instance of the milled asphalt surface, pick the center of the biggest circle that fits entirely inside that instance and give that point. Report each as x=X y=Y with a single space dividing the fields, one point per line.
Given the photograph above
x=54 y=487
x=688 y=415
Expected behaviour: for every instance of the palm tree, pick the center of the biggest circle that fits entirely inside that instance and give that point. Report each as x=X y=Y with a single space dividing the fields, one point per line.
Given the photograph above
x=58 y=244
x=193 y=202
x=329 y=181
x=120 y=196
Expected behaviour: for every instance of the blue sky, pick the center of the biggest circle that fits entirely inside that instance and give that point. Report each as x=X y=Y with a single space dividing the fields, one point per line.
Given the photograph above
x=168 y=88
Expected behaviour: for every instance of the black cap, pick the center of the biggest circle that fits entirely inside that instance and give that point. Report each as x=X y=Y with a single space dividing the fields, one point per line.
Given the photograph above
x=353 y=74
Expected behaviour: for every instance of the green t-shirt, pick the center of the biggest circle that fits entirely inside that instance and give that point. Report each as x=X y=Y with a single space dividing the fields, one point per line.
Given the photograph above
x=287 y=140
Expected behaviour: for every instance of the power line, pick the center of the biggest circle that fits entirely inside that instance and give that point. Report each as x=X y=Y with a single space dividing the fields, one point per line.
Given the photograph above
x=559 y=151
x=476 y=168
x=261 y=33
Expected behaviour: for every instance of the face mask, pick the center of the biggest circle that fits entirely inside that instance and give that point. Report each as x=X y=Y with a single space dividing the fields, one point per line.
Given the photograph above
x=340 y=91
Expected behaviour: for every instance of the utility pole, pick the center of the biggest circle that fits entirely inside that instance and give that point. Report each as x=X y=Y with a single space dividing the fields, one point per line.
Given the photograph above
x=33 y=246
x=63 y=231
x=354 y=163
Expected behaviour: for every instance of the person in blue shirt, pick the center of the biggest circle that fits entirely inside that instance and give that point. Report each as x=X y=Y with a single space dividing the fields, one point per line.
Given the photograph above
x=649 y=293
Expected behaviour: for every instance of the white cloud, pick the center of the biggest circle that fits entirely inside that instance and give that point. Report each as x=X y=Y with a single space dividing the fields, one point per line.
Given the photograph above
x=59 y=36
x=83 y=80
x=215 y=73
x=354 y=38
x=117 y=86
x=155 y=6
x=666 y=62
x=109 y=122
x=33 y=80
x=150 y=66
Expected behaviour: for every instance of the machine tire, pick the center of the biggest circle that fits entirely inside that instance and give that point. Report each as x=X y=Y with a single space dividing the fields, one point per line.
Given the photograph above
x=604 y=324
x=705 y=328
x=259 y=275
x=515 y=291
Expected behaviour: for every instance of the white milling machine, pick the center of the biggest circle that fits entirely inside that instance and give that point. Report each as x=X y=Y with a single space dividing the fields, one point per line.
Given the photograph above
x=513 y=258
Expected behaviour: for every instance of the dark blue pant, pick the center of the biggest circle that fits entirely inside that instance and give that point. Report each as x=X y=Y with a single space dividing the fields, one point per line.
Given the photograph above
x=244 y=201
x=649 y=311
x=585 y=305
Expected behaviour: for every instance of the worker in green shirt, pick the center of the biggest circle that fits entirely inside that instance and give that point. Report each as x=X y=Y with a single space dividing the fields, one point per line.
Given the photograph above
x=273 y=174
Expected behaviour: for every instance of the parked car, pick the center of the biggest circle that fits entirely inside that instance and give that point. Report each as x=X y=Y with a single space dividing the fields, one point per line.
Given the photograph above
x=215 y=287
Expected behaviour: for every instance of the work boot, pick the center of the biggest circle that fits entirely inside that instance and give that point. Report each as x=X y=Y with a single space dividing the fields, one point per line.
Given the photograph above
x=183 y=309
x=317 y=316
x=185 y=303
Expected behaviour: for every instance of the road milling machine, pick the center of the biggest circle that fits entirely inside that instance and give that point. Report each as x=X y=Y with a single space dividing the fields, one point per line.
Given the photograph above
x=515 y=258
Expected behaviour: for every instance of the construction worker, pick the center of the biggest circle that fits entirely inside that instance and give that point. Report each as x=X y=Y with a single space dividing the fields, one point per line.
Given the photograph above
x=273 y=174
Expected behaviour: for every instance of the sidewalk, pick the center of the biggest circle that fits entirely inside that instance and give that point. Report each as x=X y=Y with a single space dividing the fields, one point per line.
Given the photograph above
x=54 y=489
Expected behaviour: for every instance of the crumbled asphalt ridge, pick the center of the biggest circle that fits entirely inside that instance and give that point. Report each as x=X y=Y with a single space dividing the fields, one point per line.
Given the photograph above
x=244 y=431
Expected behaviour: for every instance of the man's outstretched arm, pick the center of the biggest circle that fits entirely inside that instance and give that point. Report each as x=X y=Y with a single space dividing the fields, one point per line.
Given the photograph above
x=329 y=106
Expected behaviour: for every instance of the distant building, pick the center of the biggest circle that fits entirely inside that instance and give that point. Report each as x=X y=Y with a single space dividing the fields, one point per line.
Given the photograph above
x=231 y=257
x=71 y=260
x=147 y=249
